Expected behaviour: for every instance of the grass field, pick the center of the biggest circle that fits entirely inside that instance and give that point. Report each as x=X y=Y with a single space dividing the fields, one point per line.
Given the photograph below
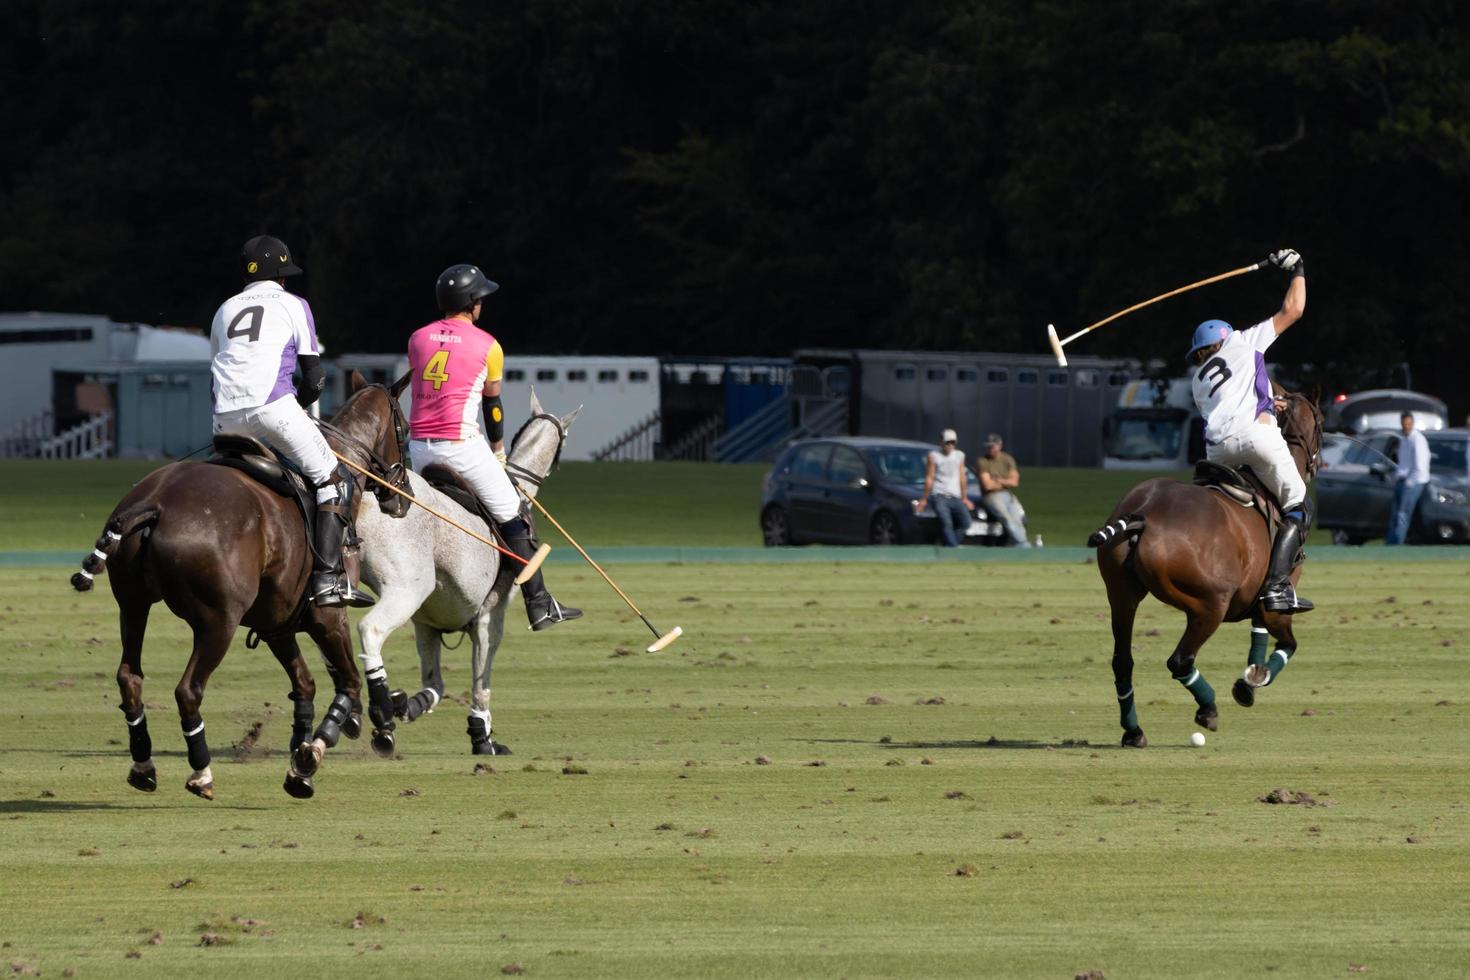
x=999 y=833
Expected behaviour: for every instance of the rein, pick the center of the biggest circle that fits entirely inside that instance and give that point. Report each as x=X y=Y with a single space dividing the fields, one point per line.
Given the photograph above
x=394 y=473
x=1311 y=450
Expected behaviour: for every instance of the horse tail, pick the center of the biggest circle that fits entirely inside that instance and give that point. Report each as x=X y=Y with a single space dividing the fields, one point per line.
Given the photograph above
x=1126 y=525
x=118 y=527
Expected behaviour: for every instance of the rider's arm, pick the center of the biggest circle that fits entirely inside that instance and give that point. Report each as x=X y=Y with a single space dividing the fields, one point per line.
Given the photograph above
x=1295 y=303
x=313 y=379
x=490 y=398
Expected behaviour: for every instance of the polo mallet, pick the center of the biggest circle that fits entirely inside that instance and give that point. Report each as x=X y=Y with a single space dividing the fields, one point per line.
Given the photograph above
x=1058 y=344
x=661 y=641
x=531 y=567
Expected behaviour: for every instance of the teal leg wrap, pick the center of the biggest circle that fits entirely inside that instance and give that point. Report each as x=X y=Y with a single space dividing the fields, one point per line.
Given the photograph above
x=1194 y=682
x=1260 y=639
x=1280 y=657
x=1127 y=712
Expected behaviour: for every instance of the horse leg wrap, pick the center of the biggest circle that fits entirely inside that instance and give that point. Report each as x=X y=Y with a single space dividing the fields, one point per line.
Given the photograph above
x=330 y=729
x=421 y=704
x=194 y=739
x=1260 y=639
x=1280 y=657
x=1195 y=683
x=301 y=720
x=1127 y=711
x=380 y=701
x=140 y=746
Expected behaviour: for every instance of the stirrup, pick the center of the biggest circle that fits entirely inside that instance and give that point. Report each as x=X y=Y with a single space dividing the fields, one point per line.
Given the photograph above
x=340 y=593
x=1285 y=600
x=555 y=613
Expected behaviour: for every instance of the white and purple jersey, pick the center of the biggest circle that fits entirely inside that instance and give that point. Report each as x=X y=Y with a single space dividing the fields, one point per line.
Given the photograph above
x=1231 y=389
x=255 y=339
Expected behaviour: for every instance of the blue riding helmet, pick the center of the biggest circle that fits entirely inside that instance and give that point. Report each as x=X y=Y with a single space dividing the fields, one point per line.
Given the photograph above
x=1207 y=333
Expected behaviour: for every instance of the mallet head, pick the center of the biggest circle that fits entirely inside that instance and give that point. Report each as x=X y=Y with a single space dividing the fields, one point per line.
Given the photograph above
x=1056 y=345
x=666 y=639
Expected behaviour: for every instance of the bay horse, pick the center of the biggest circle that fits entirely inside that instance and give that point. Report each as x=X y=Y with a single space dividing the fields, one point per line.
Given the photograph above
x=1205 y=555
x=222 y=550
x=424 y=570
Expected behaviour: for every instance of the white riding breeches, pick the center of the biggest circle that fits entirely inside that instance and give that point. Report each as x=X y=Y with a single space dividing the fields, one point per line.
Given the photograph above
x=286 y=426
x=1260 y=446
x=474 y=460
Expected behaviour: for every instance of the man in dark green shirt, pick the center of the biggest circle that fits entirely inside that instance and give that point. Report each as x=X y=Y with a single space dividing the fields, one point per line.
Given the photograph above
x=999 y=475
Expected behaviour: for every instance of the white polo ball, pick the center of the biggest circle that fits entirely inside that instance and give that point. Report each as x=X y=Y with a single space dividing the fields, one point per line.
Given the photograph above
x=1197 y=739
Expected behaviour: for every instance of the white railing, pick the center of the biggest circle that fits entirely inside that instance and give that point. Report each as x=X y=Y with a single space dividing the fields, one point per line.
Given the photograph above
x=25 y=437
x=637 y=445
x=91 y=439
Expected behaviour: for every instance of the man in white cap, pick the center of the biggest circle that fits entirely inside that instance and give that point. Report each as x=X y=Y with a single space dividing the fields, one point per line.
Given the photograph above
x=944 y=483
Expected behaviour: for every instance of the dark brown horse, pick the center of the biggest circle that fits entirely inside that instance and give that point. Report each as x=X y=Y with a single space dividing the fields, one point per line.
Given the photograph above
x=221 y=550
x=1205 y=555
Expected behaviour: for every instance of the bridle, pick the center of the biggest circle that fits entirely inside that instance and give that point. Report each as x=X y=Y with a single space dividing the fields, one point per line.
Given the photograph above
x=1310 y=446
x=518 y=471
x=393 y=473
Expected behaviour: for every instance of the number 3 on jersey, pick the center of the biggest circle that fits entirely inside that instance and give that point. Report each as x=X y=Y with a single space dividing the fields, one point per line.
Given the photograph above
x=434 y=370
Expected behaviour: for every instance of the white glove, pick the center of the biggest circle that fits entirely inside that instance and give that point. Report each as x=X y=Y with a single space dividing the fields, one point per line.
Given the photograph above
x=1286 y=259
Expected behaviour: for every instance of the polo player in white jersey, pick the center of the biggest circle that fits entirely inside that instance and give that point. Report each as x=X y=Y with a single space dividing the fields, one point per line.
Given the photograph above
x=1233 y=394
x=258 y=339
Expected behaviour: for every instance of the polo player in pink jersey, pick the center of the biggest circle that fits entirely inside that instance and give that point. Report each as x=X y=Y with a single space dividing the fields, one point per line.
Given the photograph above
x=456 y=369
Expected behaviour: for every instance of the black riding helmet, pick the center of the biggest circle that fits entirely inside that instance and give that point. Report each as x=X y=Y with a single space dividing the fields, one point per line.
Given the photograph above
x=265 y=258
x=460 y=285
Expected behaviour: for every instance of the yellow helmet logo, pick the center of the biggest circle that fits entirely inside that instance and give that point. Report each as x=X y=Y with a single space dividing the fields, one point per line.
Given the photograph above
x=252 y=267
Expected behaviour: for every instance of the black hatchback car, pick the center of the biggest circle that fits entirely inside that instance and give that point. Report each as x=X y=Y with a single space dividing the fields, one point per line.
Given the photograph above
x=1355 y=488
x=855 y=490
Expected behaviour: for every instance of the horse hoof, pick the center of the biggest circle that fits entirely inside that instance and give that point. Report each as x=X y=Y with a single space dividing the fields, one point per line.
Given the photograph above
x=205 y=791
x=305 y=759
x=1208 y=717
x=399 y=697
x=147 y=780
x=299 y=786
x=489 y=747
x=1244 y=694
x=1135 y=739
x=352 y=727
x=1258 y=675
x=383 y=743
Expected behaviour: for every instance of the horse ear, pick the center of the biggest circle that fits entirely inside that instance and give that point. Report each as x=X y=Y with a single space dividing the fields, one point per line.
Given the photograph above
x=396 y=388
x=355 y=382
x=1315 y=393
x=571 y=416
x=535 y=402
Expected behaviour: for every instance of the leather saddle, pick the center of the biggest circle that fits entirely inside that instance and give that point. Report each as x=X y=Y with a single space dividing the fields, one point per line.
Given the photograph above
x=1241 y=486
x=265 y=466
x=447 y=481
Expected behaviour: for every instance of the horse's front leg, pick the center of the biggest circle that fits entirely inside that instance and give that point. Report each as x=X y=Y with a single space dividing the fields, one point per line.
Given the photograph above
x=303 y=686
x=1203 y=621
x=329 y=629
x=133 y=620
x=485 y=635
x=1261 y=674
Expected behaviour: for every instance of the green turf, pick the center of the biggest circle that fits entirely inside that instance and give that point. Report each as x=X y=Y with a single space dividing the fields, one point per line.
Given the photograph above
x=1000 y=833
x=59 y=505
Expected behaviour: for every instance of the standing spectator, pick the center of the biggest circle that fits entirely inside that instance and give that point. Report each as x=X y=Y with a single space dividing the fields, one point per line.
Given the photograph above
x=1409 y=479
x=945 y=478
x=999 y=475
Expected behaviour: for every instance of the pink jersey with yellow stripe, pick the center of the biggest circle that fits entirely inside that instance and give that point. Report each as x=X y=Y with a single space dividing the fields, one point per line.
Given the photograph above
x=451 y=361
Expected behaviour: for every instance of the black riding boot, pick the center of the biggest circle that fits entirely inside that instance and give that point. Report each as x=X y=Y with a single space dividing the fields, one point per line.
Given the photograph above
x=542 y=610
x=330 y=585
x=1277 y=595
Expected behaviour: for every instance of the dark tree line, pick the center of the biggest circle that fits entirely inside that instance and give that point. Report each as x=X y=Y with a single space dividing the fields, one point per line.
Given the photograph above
x=714 y=176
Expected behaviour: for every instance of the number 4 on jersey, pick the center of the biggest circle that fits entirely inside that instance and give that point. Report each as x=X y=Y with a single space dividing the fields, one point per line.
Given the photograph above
x=435 y=370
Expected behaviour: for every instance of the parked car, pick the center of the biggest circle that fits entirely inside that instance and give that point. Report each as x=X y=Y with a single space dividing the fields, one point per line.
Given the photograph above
x=1355 y=488
x=1380 y=408
x=856 y=490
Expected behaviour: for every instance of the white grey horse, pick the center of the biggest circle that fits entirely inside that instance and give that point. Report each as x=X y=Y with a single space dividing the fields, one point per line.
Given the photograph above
x=446 y=582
